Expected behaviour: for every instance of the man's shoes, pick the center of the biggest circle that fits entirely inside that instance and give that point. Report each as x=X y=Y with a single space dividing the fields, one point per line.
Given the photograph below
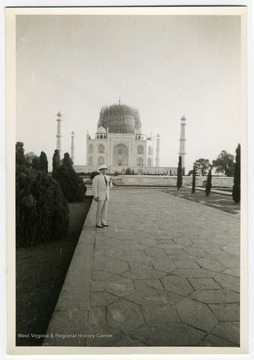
x=99 y=226
x=104 y=225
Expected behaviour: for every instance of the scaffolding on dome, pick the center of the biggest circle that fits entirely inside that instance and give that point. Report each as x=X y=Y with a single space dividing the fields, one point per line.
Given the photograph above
x=119 y=119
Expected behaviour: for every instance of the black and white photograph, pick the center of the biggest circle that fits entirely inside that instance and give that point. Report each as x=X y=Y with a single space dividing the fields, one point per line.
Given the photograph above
x=127 y=153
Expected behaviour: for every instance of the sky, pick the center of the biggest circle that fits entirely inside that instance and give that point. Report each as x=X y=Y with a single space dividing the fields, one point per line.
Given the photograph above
x=164 y=66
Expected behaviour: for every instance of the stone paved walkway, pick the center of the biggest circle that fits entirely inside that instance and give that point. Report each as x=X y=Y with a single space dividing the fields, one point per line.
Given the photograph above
x=165 y=273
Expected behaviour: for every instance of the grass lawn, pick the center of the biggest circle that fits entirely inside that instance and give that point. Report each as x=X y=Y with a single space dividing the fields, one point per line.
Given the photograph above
x=218 y=201
x=40 y=273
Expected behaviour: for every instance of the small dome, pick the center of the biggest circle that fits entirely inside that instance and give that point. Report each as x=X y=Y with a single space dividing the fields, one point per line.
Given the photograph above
x=101 y=130
x=119 y=118
x=139 y=131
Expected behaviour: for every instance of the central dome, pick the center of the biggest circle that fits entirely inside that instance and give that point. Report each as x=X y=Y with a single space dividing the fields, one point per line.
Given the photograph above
x=119 y=118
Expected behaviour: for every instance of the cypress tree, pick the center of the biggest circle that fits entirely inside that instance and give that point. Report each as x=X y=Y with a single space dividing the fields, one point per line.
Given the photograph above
x=208 y=183
x=43 y=162
x=72 y=185
x=237 y=176
x=56 y=161
x=179 y=173
x=193 y=179
x=21 y=160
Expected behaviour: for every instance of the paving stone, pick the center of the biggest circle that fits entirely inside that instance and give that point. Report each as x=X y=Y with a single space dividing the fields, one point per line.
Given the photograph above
x=177 y=285
x=125 y=316
x=215 y=296
x=145 y=283
x=102 y=298
x=115 y=253
x=131 y=247
x=228 y=282
x=226 y=312
x=149 y=296
x=122 y=287
x=98 y=285
x=147 y=242
x=182 y=241
x=187 y=265
x=194 y=251
x=117 y=266
x=156 y=252
x=204 y=284
x=212 y=265
x=196 y=314
x=194 y=273
x=160 y=314
x=140 y=266
x=144 y=274
x=131 y=252
x=231 y=250
x=178 y=254
x=229 y=331
x=233 y=272
x=101 y=275
x=97 y=316
x=173 y=334
x=171 y=243
x=215 y=341
x=170 y=246
x=164 y=265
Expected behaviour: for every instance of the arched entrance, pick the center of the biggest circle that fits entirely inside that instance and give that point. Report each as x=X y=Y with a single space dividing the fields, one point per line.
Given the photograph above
x=120 y=155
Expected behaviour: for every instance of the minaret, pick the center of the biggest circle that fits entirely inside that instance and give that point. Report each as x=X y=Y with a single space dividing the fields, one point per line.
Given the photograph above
x=182 y=152
x=72 y=146
x=59 y=133
x=157 y=159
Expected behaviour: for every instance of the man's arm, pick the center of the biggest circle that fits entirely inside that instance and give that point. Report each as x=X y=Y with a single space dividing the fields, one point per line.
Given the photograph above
x=95 y=188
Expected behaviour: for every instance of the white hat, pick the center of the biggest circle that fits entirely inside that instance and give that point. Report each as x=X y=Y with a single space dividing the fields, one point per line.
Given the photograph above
x=103 y=166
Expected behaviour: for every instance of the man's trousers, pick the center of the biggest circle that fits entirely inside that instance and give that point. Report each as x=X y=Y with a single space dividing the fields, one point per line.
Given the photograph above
x=101 y=213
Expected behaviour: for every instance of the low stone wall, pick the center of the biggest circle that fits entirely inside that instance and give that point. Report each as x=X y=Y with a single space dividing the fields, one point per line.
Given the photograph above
x=171 y=180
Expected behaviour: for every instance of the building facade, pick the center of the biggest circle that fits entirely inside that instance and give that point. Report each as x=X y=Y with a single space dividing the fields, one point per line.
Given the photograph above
x=119 y=141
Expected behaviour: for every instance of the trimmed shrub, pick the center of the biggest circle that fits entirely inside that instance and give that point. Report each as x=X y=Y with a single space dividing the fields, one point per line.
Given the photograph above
x=73 y=187
x=179 y=174
x=56 y=161
x=41 y=209
x=237 y=176
x=43 y=162
x=93 y=174
x=42 y=213
x=193 y=179
x=208 y=183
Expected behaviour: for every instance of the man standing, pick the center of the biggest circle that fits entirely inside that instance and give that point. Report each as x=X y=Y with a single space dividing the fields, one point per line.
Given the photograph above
x=101 y=185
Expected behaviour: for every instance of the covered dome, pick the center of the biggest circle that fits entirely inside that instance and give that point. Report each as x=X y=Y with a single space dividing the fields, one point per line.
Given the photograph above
x=119 y=118
x=101 y=130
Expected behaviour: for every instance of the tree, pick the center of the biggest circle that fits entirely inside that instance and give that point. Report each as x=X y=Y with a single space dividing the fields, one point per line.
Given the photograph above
x=41 y=209
x=32 y=158
x=209 y=182
x=71 y=184
x=224 y=164
x=56 y=161
x=193 y=179
x=21 y=160
x=202 y=166
x=43 y=162
x=93 y=174
x=179 y=173
x=237 y=176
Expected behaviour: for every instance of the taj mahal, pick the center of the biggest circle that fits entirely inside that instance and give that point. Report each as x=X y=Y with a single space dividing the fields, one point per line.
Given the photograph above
x=120 y=143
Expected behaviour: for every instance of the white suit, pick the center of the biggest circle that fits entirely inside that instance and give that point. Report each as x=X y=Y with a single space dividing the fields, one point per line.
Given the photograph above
x=101 y=185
